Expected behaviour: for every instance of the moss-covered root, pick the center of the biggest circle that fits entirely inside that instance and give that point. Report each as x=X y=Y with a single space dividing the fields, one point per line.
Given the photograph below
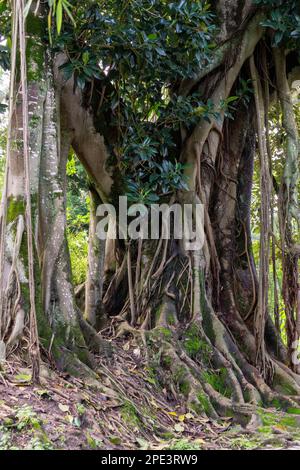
x=202 y=397
x=93 y=340
x=185 y=383
x=215 y=380
x=285 y=383
x=220 y=368
x=210 y=383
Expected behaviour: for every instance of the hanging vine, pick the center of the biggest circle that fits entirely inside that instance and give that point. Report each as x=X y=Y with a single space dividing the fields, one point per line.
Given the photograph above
x=289 y=206
x=10 y=294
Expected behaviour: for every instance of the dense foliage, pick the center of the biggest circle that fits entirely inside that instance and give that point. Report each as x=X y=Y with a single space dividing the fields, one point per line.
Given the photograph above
x=283 y=20
x=139 y=51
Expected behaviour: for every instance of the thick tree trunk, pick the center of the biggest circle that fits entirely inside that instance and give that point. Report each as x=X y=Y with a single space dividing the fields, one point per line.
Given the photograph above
x=96 y=253
x=15 y=289
x=196 y=310
x=59 y=322
x=57 y=290
x=289 y=209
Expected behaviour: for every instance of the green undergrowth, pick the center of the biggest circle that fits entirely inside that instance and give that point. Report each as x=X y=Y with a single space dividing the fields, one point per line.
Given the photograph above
x=129 y=414
x=217 y=379
x=277 y=420
x=24 y=421
x=184 y=444
x=195 y=346
x=74 y=424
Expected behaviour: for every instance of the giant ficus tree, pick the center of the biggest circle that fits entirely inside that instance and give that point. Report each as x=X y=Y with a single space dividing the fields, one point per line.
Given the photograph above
x=162 y=102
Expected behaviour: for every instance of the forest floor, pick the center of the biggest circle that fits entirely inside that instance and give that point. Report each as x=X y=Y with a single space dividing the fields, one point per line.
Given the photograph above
x=123 y=408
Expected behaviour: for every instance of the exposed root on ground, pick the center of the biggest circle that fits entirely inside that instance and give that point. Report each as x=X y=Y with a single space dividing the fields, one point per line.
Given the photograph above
x=126 y=406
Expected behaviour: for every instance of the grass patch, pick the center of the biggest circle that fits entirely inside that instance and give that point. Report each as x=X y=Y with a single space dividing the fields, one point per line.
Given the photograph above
x=184 y=444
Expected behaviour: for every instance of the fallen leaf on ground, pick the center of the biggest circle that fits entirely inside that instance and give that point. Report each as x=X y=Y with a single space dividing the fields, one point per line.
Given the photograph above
x=63 y=408
x=179 y=427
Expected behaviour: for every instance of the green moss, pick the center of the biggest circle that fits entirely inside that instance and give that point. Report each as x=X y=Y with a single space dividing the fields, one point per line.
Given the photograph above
x=66 y=336
x=217 y=379
x=247 y=395
x=167 y=360
x=167 y=435
x=184 y=387
x=289 y=421
x=267 y=418
x=288 y=389
x=152 y=376
x=192 y=331
x=184 y=444
x=170 y=319
x=204 y=402
x=274 y=419
x=194 y=345
x=15 y=207
x=163 y=331
x=208 y=325
x=129 y=414
x=229 y=413
x=243 y=442
x=196 y=407
x=293 y=411
x=158 y=312
x=276 y=403
x=180 y=378
x=180 y=374
x=264 y=430
x=284 y=388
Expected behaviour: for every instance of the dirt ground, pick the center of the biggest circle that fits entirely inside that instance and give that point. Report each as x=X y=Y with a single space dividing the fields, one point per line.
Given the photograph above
x=122 y=408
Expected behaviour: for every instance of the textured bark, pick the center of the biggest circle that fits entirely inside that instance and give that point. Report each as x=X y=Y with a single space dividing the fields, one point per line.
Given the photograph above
x=261 y=313
x=87 y=142
x=59 y=322
x=57 y=290
x=14 y=285
x=94 y=284
x=289 y=211
x=215 y=290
